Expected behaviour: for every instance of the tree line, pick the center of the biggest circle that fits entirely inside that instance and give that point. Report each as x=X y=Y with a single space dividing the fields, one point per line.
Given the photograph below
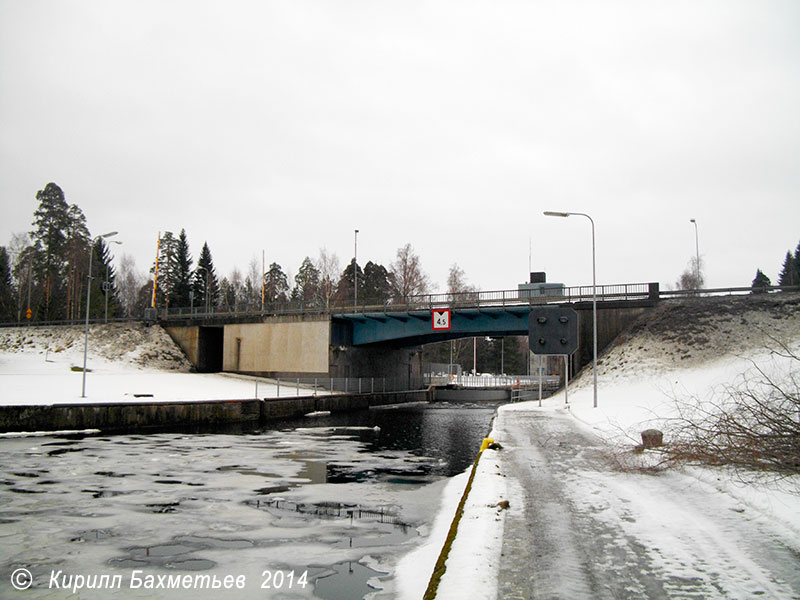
x=45 y=271
x=789 y=275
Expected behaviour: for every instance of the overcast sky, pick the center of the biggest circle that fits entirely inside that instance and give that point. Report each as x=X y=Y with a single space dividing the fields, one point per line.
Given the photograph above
x=449 y=125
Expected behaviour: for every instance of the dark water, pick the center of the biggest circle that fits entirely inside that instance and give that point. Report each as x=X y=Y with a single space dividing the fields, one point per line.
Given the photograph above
x=451 y=433
x=337 y=498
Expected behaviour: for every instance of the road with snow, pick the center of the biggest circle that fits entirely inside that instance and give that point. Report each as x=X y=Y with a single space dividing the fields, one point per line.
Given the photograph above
x=581 y=527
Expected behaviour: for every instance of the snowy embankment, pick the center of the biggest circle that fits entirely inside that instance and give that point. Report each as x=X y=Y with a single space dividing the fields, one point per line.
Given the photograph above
x=126 y=363
x=687 y=352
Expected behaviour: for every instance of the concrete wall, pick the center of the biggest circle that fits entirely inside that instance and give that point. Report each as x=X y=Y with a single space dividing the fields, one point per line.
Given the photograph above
x=610 y=323
x=285 y=348
x=182 y=415
x=401 y=364
x=188 y=338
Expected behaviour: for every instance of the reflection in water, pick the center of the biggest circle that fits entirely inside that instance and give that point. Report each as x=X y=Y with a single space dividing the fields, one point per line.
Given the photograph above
x=313 y=495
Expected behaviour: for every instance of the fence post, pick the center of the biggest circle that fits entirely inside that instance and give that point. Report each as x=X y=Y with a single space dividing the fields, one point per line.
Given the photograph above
x=298 y=386
x=279 y=387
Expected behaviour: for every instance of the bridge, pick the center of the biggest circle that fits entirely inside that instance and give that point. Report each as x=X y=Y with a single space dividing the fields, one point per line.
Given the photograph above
x=384 y=340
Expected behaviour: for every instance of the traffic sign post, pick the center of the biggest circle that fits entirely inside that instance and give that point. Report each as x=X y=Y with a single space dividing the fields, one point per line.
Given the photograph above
x=440 y=319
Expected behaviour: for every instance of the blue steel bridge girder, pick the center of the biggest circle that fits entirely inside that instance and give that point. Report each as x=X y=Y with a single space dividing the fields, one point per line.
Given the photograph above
x=414 y=327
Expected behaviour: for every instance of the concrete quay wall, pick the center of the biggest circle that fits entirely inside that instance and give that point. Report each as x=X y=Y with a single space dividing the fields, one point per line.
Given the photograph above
x=110 y=417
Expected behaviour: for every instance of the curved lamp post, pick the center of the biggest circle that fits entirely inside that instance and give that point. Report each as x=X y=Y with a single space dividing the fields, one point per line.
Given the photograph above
x=88 y=298
x=550 y=213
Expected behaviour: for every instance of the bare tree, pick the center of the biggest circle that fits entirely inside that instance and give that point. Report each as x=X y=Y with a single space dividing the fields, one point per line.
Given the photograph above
x=409 y=279
x=460 y=290
x=329 y=269
x=256 y=279
x=129 y=283
x=692 y=277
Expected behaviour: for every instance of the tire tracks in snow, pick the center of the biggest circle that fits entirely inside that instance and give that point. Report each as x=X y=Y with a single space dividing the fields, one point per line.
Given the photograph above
x=579 y=528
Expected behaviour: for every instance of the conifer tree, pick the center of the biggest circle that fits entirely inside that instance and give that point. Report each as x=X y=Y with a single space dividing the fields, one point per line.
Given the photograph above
x=182 y=277
x=760 y=282
x=797 y=264
x=205 y=284
x=788 y=275
x=307 y=284
x=103 y=271
x=377 y=288
x=51 y=222
x=276 y=285
x=345 y=288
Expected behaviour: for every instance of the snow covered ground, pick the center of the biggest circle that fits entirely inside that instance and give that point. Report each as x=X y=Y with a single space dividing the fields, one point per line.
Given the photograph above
x=126 y=363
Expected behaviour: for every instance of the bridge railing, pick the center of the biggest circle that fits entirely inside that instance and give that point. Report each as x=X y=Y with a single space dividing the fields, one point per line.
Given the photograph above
x=493 y=298
x=427 y=302
x=301 y=386
x=492 y=381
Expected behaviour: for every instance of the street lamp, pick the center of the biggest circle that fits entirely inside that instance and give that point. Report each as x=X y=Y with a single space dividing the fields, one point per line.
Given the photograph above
x=549 y=213
x=355 y=271
x=697 y=255
x=88 y=298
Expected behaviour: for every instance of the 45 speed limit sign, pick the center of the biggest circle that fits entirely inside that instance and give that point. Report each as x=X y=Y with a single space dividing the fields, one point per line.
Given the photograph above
x=441 y=319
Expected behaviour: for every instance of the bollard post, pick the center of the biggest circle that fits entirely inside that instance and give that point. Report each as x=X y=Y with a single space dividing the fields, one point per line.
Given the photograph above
x=279 y=387
x=298 y=386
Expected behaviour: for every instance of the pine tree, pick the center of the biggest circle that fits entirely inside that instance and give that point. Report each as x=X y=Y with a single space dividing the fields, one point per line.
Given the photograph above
x=307 y=285
x=797 y=264
x=51 y=222
x=760 y=282
x=276 y=285
x=345 y=288
x=181 y=283
x=377 y=287
x=167 y=269
x=103 y=272
x=788 y=274
x=205 y=284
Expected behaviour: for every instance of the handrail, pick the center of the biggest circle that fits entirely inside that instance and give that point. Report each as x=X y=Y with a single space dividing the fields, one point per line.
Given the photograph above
x=428 y=302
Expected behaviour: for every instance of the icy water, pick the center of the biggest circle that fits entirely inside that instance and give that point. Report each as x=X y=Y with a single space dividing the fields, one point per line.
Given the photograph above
x=317 y=507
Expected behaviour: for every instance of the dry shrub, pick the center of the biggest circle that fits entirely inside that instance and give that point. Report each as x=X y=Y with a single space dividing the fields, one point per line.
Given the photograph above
x=752 y=424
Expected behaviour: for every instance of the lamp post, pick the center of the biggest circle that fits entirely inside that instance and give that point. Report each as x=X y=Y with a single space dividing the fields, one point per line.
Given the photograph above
x=697 y=255
x=549 y=213
x=355 y=271
x=88 y=298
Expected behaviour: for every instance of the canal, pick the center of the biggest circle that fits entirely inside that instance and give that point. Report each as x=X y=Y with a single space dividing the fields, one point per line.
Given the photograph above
x=319 y=507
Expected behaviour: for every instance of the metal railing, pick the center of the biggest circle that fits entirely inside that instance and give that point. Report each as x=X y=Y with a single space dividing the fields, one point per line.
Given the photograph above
x=428 y=302
x=306 y=386
x=491 y=381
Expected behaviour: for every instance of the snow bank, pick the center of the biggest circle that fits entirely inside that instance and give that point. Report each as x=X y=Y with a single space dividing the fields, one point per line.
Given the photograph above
x=126 y=363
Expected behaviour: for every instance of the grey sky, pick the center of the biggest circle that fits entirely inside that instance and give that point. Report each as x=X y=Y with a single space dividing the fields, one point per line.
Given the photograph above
x=449 y=125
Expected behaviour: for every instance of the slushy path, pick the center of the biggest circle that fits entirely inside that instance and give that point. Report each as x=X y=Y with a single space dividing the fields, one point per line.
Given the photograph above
x=581 y=526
